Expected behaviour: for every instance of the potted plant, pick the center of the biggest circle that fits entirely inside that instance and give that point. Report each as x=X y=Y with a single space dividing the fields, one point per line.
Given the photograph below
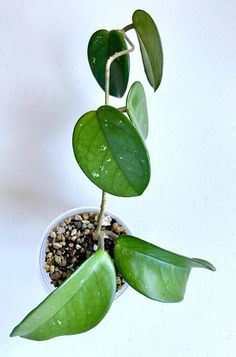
x=109 y=146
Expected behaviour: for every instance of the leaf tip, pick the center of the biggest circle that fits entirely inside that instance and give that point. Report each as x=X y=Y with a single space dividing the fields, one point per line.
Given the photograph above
x=204 y=264
x=212 y=267
x=13 y=333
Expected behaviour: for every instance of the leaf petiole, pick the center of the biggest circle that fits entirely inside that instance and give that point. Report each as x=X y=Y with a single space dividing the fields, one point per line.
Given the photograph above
x=127 y=28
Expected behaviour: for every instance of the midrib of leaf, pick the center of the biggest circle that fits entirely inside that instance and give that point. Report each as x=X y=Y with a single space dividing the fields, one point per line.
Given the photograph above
x=54 y=312
x=117 y=162
x=155 y=258
x=130 y=152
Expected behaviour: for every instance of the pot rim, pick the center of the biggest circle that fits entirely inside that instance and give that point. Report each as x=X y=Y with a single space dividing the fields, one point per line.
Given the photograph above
x=43 y=275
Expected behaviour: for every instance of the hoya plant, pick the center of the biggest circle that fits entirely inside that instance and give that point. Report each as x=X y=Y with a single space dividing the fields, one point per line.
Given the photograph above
x=109 y=146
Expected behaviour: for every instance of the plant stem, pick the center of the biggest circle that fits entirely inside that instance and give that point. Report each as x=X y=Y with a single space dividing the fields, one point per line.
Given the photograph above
x=122 y=109
x=100 y=219
x=97 y=233
x=128 y=27
x=109 y=62
x=111 y=235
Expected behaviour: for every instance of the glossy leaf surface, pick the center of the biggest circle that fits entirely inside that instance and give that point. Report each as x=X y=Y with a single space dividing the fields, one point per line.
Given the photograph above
x=76 y=306
x=154 y=272
x=110 y=151
x=102 y=45
x=136 y=105
x=150 y=46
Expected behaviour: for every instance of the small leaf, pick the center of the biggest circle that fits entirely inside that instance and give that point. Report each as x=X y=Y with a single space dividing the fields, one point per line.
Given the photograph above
x=78 y=305
x=150 y=46
x=136 y=105
x=111 y=152
x=154 y=272
x=102 y=45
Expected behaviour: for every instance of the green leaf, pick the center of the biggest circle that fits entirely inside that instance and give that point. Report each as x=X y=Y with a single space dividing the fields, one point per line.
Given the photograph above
x=78 y=305
x=154 y=272
x=150 y=46
x=102 y=45
x=136 y=105
x=111 y=152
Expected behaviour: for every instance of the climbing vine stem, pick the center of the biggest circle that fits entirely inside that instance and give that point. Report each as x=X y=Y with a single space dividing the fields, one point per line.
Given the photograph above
x=97 y=233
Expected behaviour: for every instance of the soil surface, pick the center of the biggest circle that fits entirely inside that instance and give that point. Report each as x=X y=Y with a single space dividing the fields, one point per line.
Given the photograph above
x=71 y=242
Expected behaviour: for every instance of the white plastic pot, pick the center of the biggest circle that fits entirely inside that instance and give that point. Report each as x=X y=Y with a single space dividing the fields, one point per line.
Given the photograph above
x=43 y=243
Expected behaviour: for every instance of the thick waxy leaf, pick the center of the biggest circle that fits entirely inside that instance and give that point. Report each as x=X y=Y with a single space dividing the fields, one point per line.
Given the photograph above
x=150 y=46
x=110 y=151
x=102 y=45
x=136 y=105
x=76 y=306
x=154 y=272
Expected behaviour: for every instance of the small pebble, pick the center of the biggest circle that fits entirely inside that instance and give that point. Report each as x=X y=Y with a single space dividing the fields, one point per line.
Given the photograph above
x=73 y=232
x=106 y=221
x=60 y=260
x=46 y=267
x=53 y=234
x=57 y=245
x=60 y=230
x=52 y=269
x=73 y=252
x=56 y=275
x=117 y=228
x=68 y=220
x=60 y=237
x=78 y=224
x=78 y=217
x=95 y=247
x=85 y=221
x=49 y=261
x=85 y=216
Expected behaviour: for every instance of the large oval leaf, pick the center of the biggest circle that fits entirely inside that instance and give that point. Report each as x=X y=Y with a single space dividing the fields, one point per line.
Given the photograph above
x=110 y=151
x=102 y=45
x=150 y=46
x=78 y=305
x=154 y=272
x=136 y=105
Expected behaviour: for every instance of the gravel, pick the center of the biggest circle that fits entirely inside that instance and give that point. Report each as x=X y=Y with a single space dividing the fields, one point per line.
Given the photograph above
x=71 y=242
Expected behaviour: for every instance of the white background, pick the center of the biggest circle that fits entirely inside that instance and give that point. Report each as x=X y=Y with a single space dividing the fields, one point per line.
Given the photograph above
x=190 y=204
